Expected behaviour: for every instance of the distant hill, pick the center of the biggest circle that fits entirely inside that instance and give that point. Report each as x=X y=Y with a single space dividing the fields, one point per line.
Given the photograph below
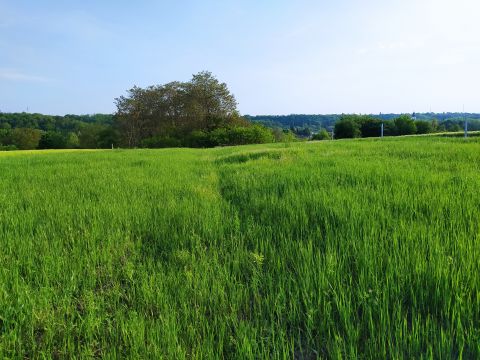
x=314 y=122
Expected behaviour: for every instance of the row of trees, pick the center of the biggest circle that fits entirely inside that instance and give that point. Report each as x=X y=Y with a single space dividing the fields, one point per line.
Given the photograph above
x=39 y=131
x=445 y=121
x=199 y=113
x=90 y=137
x=63 y=124
x=354 y=126
x=298 y=121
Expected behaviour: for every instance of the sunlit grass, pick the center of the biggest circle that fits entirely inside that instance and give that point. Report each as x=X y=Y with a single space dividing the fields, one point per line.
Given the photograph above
x=43 y=152
x=353 y=249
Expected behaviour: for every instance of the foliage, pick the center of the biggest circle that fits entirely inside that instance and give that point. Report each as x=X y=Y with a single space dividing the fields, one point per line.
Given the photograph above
x=24 y=138
x=73 y=141
x=176 y=109
x=404 y=125
x=288 y=136
x=95 y=136
x=370 y=127
x=255 y=134
x=359 y=250
x=52 y=140
x=313 y=122
x=447 y=121
x=4 y=136
x=322 y=135
x=238 y=135
x=56 y=131
x=424 y=127
x=347 y=127
x=351 y=126
x=161 y=142
x=102 y=131
x=63 y=124
x=302 y=132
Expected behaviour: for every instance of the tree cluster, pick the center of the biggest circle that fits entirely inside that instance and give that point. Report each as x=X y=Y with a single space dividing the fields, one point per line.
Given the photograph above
x=90 y=136
x=295 y=121
x=199 y=113
x=355 y=126
x=38 y=131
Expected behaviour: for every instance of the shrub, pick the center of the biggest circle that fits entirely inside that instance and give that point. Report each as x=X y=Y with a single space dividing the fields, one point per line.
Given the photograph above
x=322 y=135
x=424 y=127
x=8 y=147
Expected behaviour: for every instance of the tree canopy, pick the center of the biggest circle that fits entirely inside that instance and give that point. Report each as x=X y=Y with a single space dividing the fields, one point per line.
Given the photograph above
x=175 y=110
x=351 y=126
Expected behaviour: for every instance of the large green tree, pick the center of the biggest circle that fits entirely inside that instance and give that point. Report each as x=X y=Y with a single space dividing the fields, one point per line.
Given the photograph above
x=209 y=102
x=25 y=138
x=175 y=109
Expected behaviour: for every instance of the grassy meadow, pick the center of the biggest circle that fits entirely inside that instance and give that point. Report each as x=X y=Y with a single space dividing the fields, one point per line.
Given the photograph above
x=340 y=249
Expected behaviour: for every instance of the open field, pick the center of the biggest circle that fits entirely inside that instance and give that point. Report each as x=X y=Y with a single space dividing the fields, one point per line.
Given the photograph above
x=353 y=249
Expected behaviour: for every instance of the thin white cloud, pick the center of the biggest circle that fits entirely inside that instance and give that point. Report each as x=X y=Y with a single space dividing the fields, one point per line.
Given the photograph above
x=14 y=75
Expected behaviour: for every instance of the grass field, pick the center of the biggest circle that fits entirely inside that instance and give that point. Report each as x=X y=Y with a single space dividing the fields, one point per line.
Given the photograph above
x=340 y=249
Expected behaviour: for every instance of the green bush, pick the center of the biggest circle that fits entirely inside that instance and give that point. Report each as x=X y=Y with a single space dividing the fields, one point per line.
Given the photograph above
x=240 y=135
x=198 y=139
x=322 y=135
x=255 y=134
x=288 y=136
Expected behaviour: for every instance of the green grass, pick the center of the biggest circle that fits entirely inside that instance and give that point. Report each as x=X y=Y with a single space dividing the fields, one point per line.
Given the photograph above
x=340 y=249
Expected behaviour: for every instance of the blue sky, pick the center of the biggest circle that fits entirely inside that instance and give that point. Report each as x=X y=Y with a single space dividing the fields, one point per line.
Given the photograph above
x=277 y=56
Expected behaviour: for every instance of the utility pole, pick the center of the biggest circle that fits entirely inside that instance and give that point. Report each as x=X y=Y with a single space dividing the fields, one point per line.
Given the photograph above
x=381 y=126
x=465 y=124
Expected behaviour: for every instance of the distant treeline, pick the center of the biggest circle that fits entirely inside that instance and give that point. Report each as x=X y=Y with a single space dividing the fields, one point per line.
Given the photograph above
x=199 y=113
x=38 y=131
x=313 y=122
x=447 y=121
x=202 y=113
x=353 y=126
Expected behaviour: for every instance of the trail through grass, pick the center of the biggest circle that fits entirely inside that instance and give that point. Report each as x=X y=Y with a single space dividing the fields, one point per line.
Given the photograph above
x=343 y=249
